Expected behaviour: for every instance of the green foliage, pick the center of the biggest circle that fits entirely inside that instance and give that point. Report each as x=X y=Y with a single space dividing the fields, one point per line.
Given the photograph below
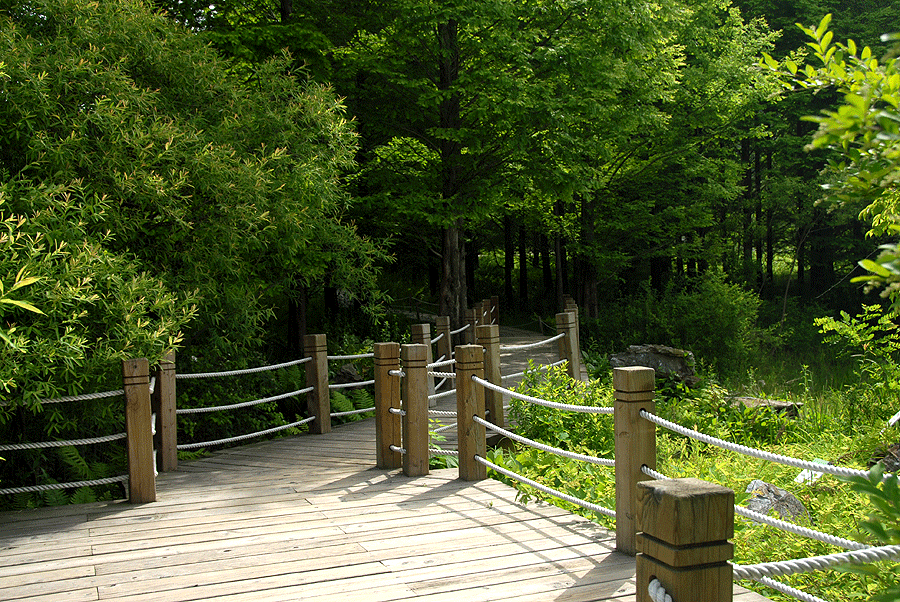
x=884 y=525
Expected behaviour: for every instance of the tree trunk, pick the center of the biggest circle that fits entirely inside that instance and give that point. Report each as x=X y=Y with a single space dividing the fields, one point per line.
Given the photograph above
x=453 y=281
x=509 y=257
x=523 y=268
x=546 y=271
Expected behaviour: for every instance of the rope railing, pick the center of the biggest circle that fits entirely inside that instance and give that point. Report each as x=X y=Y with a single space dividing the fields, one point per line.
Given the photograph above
x=244 y=371
x=437 y=338
x=85 y=396
x=532 y=345
x=398 y=449
x=442 y=394
x=245 y=404
x=439 y=451
x=541 y=367
x=71 y=485
x=343 y=358
x=352 y=412
x=752 y=452
x=446 y=413
x=543 y=402
x=72 y=442
x=397 y=411
x=815 y=563
x=543 y=447
x=190 y=446
x=444 y=375
x=459 y=330
x=352 y=385
x=399 y=373
x=658 y=592
x=445 y=428
x=441 y=361
x=548 y=490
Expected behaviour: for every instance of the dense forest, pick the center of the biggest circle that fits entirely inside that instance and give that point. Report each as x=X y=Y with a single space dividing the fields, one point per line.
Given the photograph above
x=224 y=178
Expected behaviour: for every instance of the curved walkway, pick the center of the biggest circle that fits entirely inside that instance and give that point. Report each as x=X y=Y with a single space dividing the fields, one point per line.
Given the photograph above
x=310 y=518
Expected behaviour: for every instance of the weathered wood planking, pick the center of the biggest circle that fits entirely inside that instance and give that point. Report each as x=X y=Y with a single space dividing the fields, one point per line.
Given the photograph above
x=310 y=518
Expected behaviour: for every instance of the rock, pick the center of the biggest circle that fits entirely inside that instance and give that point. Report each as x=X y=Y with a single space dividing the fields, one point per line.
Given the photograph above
x=890 y=457
x=767 y=497
x=665 y=360
x=347 y=374
x=788 y=408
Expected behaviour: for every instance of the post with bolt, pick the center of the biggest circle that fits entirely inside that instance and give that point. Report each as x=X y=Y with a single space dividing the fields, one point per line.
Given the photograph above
x=469 y=403
x=444 y=344
x=472 y=321
x=635 y=446
x=318 y=401
x=568 y=345
x=138 y=428
x=387 y=396
x=495 y=310
x=686 y=525
x=163 y=402
x=421 y=334
x=414 y=398
x=488 y=336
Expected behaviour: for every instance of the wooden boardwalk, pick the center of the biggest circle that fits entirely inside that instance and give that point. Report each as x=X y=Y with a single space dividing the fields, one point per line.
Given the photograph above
x=310 y=518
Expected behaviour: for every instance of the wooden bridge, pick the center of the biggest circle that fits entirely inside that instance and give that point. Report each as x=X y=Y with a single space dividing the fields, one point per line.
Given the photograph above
x=310 y=518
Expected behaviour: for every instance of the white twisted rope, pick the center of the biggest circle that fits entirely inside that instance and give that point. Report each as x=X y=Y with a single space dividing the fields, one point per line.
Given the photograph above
x=360 y=356
x=442 y=394
x=73 y=485
x=532 y=345
x=541 y=446
x=362 y=383
x=815 y=563
x=788 y=590
x=243 y=437
x=152 y=385
x=440 y=384
x=352 y=412
x=440 y=362
x=397 y=411
x=399 y=450
x=541 y=367
x=245 y=371
x=548 y=490
x=245 y=404
x=443 y=429
x=443 y=452
x=543 y=402
x=437 y=338
x=459 y=330
x=399 y=373
x=46 y=444
x=755 y=453
x=442 y=413
x=444 y=375
x=658 y=592
x=840 y=542
x=85 y=397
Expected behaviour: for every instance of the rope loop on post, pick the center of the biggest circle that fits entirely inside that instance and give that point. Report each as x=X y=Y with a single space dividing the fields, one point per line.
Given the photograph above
x=658 y=592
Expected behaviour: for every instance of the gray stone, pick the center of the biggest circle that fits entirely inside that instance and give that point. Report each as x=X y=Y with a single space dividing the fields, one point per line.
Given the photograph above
x=766 y=497
x=665 y=360
x=347 y=374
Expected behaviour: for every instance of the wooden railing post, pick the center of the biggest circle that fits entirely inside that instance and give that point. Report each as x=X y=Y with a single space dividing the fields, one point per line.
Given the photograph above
x=445 y=344
x=387 y=396
x=318 y=401
x=635 y=446
x=472 y=321
x=572 y=308
x=414 y=400
x=163 y=403
x=421 y=334
x=495 y=310
x=568 y=345
x=686 y=525
x=488 y=336
x=470 y=402
x=141 y=477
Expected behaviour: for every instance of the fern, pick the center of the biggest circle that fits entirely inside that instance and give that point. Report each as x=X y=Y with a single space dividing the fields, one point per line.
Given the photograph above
x=83 y=495
x=55 y=497
x=76 y=463
x=342 y=403
x=362 y=399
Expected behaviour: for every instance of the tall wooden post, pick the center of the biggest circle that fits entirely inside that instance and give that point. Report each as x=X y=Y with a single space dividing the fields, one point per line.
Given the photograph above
x=444 y=344
x=635 y=446
x=488 y=336
x=414 y=398
x=685 y=524
x=472 y=321
x=163 y=402
x=141 y=477
x=421 y=334
x=387 y=396
x=572 y=308
x=318 y=401
x=470 y=402
x=568 y=345
x=495 y=310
